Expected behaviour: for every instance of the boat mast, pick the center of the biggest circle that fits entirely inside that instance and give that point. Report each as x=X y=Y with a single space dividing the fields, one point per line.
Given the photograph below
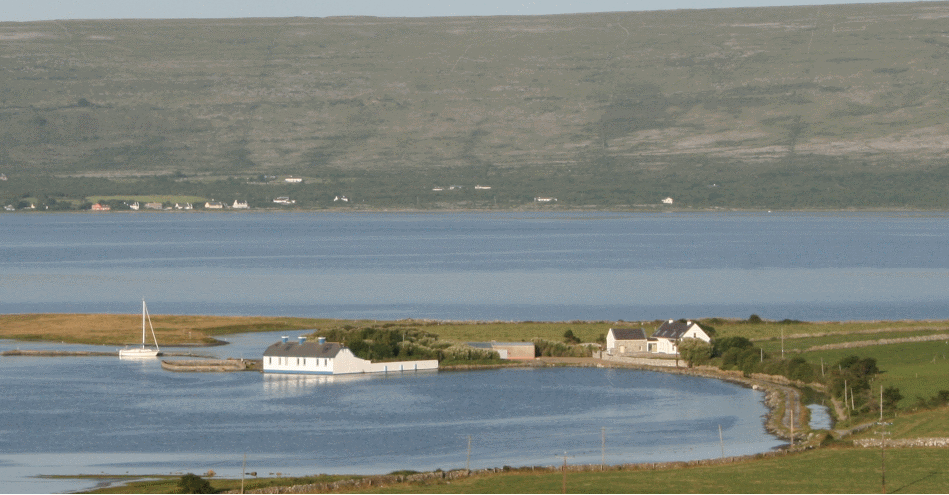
x=143 y=323
x=145 y=314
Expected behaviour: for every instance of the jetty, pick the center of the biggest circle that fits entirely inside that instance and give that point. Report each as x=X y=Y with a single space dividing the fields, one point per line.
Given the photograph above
x=212 y=365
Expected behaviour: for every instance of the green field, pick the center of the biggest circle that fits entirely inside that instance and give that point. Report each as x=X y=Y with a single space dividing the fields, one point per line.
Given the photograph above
x=829 y=470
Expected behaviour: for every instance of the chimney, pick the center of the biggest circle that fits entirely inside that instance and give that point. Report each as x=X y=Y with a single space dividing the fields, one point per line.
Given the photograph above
x=321 y=340
x=284 y=339
x=302 y=339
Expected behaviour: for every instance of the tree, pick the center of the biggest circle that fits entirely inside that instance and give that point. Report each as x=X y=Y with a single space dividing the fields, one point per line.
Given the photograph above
x=570 y=338
x=695 y=351
x=891 y=397
x=192 y=483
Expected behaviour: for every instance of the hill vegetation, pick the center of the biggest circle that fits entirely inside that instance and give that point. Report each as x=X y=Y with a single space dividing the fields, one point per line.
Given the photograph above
x=786 y=107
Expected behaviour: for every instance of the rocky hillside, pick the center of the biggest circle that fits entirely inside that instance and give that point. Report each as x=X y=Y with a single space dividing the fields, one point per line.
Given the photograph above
x=826 y=106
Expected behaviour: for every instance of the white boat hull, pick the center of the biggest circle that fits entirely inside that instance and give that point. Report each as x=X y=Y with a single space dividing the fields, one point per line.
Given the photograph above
x=138 y=353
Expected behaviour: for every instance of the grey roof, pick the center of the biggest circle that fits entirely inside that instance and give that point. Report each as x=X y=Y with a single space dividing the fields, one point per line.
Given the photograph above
x=628 y=333
x=673 y=329
x=306 y=349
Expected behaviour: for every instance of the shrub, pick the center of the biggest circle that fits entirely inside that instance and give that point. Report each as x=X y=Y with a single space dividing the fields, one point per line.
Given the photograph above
x=192 y=483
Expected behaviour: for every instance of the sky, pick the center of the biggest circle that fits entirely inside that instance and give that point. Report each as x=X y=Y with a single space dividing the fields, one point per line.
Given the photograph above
x=36 y=10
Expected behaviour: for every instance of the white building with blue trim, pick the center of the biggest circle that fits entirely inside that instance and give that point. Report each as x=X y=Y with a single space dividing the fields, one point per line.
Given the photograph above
x=329 y=358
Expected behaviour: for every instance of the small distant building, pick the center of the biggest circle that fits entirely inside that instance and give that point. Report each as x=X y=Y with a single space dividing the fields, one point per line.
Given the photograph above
x=3 y=177
x=544 y=199
x=101 y=207
x=9 y=208
x=672 y=331
x=329 y=358
x=344 y=199
x=622 y=341
x=482 y=187
x=284 y=200
x=293 y=180
x=214 y=205
x=667 y=201
x=184 y=206
x=508 y=350
x=134 y=206
x=240 y=205
x=438 y=189
x=152 y=206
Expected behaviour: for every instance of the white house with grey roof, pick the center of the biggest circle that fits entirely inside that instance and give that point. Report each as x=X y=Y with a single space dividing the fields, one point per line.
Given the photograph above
x=672 y=331
x=328 y=358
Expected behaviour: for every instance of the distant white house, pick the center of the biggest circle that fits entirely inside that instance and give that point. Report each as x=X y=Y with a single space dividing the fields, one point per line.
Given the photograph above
x=482 y=187
x=329 y=358
x=153 y=206
x=438 y=189
x=544 y=199
x=284 y=200
x=671 y=332
x=214 y=205
x=341 y=198
x=293 y=180
x=667 y=201
x=135 y=206
x=240 y=205
x=184 y=206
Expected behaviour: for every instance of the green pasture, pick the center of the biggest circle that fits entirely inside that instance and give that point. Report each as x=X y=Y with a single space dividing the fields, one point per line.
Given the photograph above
x=793 y=345
x=829 y=470
x=917 y=368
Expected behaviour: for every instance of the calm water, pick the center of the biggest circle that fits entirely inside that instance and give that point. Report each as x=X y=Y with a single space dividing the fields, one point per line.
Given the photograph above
x=594 y=266
x=90 y=415
x=94 y=415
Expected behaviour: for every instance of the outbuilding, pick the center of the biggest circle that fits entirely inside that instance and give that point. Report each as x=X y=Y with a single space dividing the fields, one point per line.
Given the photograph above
x=508 y=350
x=621 y=341
x=328 y=358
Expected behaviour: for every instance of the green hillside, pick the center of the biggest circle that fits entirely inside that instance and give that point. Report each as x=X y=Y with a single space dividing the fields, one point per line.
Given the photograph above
x=791 y=107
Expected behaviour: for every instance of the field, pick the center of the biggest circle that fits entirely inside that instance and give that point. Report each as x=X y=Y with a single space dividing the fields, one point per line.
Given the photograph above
x=829 y=470
x=826 y=107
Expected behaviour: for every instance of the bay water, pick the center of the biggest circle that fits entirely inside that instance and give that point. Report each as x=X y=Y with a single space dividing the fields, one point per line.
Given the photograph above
x=92 y=415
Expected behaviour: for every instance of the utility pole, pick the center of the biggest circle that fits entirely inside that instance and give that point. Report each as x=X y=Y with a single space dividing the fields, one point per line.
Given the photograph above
x=564 y=471
x=243 y=469
x=603 y=457
x=782 y=343
x=792 y=426
x=468 y=460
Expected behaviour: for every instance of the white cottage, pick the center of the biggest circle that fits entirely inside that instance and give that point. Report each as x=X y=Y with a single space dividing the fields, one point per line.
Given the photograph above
x=672 y=331
x=328 y=358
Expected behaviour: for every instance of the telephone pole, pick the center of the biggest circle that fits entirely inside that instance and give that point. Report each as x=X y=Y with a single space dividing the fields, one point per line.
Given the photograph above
x=468 y=460
x=564 y=470
x=603 y=458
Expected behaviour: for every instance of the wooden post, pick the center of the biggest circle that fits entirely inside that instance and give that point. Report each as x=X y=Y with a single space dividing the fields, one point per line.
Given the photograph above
x=243 y=468
x=792 y=424
x=468 y=460
x=603 y=453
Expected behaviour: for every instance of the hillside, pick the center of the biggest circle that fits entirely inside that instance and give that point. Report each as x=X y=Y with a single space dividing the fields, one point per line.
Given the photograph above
x=792 y=107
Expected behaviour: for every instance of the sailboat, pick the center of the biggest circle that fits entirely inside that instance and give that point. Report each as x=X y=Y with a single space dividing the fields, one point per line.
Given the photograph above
x=143 y=351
